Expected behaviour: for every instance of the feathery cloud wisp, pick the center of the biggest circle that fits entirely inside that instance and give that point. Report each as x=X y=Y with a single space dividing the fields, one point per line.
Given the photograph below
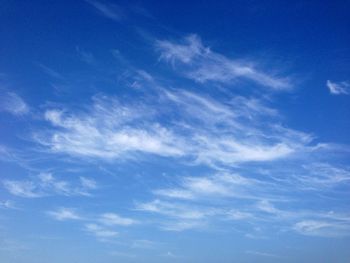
x=338 y=88
x=12 y=103
x=64 y=213
x=109 y=10
x=202 y=65
x=46 y=184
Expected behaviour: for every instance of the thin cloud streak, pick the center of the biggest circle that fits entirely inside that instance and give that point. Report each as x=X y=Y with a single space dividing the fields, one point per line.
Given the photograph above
x=108 y=10
x=203 y=65
x=45 y=184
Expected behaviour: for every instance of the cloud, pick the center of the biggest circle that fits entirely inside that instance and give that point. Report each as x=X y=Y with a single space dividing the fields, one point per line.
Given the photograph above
x=50 y=72
x=85 y=56
x=179 y=216
x=323 y=228
x=323 y=176
x=219 y=185
x=338 y=88
x=100 y=232
x=22 y=188
x=64 y=213
x=259 y=253
x=202 y=65
x=111 y=219
x=199 y=128
x=144 y=244
x=12 y=103
x=7 y=204
x=108 y=10
x=173 y=209
x=45 y=184
x=107 y=132
x=249 y=167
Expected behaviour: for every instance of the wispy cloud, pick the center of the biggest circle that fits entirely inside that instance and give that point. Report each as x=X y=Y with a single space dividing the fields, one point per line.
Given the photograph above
x=254 y=165
x=323 y=228
x=202 y=64
x=100 y=232
x=259 y=253
x=12 y=103
x=7 y=204
x=216 y=186
x=338 y=88
x=323 y=176
x=108 y=10
x=108 y=132
x=102 y=226
x=111 y=219
x=201 y=129
x=64 y=213
x=46 y=184
x=85 y=56
x=50 y=72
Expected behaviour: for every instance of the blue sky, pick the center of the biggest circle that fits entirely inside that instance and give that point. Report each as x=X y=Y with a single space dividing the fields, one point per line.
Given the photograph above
x=174 y=131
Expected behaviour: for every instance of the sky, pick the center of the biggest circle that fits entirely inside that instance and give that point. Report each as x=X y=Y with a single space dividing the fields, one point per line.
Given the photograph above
x=174 y=131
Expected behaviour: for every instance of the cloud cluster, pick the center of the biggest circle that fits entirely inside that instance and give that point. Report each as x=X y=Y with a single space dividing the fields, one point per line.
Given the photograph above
x=198 y=129
x=257 y=171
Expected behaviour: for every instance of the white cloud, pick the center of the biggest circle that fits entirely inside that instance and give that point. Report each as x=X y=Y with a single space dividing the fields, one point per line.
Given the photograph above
x=64 y=213
x=201 y=129
x=108 y=132
x=100 y=232
x=219 y=185
x=109 y=10
x=45 y=184
x=170 y=209
x=320 y=176
x=23 y=188
x=323 y=228
x=111 y=219
x=12 y=103
x=202 y=64
x=338 y=88
x=182 y=225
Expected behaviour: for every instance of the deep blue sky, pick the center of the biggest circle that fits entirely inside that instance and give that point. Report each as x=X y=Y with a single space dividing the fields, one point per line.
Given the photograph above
x=174 y=131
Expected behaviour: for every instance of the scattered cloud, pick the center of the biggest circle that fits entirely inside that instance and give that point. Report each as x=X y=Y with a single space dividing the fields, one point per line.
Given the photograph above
x=338 y=88
x=7 y=204
x=100 y=232
x=202 y=64
x=12 y=103
x=85 y=56
x=144 y=244
x=201 y=129
x=219 y=185
x=323 y=228
x=323 y=176
x=46 y=184
x=108 y=10
x=111 y=219
x=63 y=214
x=50 y=72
